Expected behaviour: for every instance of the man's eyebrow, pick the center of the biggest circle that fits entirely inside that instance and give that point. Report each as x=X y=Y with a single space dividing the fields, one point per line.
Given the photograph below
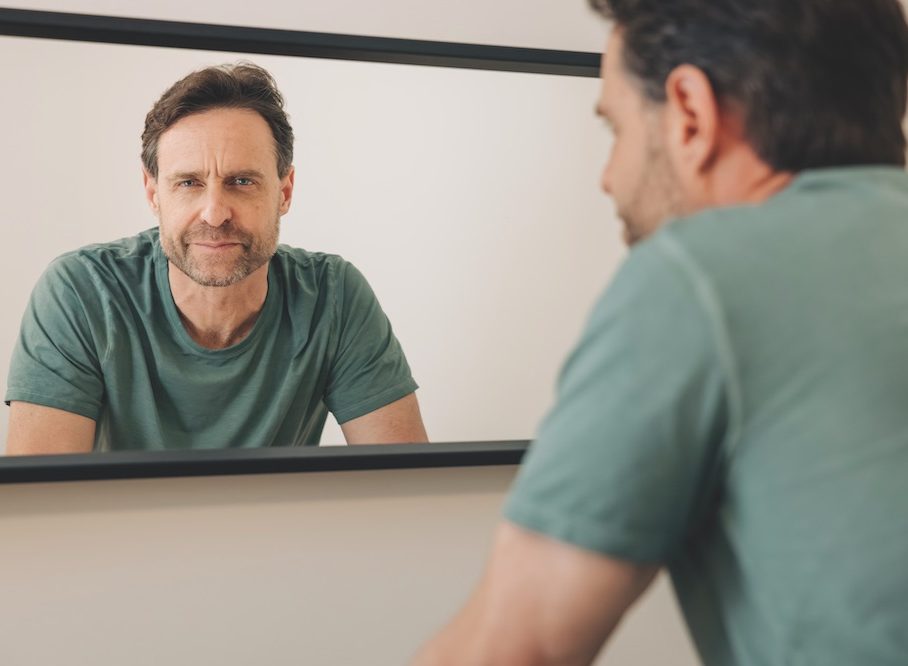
x=183 y=175
x=195 y=175
x=246 y=173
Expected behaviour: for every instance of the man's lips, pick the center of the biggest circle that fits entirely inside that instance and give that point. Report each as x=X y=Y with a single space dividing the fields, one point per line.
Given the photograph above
x=219 y=245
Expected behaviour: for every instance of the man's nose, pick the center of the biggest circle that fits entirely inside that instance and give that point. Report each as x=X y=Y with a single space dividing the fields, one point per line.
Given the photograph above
x=216 y=208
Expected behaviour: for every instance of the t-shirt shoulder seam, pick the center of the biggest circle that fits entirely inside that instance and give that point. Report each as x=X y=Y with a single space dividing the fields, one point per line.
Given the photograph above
x=712 y=308
x=108 y=315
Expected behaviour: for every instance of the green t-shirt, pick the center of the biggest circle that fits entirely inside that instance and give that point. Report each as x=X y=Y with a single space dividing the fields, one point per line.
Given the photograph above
x=737 y=409
x=102 y=337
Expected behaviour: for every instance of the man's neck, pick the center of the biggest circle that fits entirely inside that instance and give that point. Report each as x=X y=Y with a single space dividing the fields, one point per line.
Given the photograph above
x=218 y=317
x=743 y=178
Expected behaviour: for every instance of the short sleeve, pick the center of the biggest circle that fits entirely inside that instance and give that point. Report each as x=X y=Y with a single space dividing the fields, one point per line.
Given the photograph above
x=369 y=369
x=56 y=360
x=627 y=461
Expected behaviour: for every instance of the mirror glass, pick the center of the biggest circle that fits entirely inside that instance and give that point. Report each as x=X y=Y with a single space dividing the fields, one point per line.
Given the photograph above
x=469 y=199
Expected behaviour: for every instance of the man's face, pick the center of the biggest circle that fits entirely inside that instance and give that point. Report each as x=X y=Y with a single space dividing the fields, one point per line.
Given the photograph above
x=218 y=195
x=638 y=175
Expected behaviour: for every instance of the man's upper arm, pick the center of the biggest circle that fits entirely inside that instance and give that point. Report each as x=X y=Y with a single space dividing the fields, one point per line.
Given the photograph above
x=397 y=423
x=56 y=361
x=56 y=385
x=35 y=429
x=629 y=459
x=623 y=467
x=540 y=601
x=369 y=370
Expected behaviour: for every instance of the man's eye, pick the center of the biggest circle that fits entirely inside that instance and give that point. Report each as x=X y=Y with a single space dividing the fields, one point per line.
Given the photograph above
x=243 y=181
x=186 y=183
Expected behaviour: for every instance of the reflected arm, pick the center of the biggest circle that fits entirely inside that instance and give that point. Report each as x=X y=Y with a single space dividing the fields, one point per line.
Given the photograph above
x=35 y=429
x=397 y=423
x=539 y=602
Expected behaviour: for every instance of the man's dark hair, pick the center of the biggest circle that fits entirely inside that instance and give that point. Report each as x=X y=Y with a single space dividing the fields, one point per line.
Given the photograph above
x=239 y=86
x=820 y=83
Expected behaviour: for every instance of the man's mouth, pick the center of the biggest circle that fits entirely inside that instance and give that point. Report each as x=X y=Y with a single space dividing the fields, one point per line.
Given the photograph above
x=217 y=246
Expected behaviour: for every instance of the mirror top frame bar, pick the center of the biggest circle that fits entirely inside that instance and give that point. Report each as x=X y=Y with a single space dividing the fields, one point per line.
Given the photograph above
x=268 y=41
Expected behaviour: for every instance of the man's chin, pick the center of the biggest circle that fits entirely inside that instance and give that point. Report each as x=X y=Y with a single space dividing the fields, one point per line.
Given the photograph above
x=212 y=276
x=208 y=279
x=631 y=235
x=635 y=233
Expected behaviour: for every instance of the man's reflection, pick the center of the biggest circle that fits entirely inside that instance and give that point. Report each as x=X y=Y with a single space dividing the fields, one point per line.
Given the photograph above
x=204 y=332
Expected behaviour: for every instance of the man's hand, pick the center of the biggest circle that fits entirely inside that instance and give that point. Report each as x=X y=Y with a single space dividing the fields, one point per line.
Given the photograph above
x=397 y=423
x=35 y=429
x=540 y=602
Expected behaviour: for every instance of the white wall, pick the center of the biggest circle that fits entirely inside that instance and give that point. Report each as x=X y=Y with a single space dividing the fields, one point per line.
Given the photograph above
x=345 y=569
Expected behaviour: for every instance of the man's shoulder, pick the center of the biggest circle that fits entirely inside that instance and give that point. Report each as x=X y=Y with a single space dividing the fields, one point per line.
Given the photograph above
x=318 y=283
x=297 y=257
x=823 y=213
x=816 y=201
x=305 y=259
x=306 y=269
x=87 y=280
x=108 y=259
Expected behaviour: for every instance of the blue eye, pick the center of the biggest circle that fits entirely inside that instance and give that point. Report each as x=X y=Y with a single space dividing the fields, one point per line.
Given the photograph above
x=243 y=181
x=186 y=183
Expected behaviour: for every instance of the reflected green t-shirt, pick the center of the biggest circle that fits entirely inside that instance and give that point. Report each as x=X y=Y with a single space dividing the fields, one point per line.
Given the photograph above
x=102 y=337
x=737 y=409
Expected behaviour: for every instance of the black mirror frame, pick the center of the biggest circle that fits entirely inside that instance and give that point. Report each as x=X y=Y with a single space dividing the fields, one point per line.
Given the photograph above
x=174 y=34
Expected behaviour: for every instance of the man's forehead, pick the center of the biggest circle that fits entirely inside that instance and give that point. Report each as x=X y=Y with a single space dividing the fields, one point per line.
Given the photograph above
x=616 y=90
x=612 y=56
x=234 y=138
x=607 y=94
x=230 y=127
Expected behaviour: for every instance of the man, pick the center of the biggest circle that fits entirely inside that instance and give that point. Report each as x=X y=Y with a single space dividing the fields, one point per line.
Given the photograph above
x=736 y=409
x=205 y=333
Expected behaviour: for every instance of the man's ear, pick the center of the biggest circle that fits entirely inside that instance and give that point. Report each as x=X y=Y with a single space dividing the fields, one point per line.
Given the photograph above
x=287 y=190
x=693 y=120
x=151 y=190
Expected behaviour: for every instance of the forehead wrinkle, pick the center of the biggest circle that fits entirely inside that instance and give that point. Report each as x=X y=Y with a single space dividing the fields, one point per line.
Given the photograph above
x=221 y=141
x=202 y=163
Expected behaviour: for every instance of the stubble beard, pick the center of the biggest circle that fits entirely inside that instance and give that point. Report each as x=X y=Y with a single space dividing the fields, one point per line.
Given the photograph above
x=216 y=271
x=657 y=197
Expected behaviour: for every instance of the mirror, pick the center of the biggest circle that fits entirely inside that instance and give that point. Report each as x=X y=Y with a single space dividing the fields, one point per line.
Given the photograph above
x=469 y=199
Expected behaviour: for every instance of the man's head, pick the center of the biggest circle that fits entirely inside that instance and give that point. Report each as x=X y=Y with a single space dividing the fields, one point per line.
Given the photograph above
x=217 y=155
x=712 y=99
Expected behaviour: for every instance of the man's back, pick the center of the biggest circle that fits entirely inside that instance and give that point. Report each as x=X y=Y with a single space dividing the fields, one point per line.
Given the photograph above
x=812 y=290
x=756 y=441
